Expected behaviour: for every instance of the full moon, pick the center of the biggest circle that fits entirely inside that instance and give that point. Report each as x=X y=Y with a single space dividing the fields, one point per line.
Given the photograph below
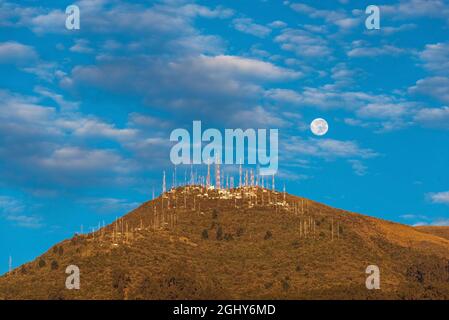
x=319 y=127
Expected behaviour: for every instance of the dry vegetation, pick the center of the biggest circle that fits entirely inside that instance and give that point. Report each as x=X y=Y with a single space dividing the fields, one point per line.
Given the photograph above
x=216 y=248
x=442 y=232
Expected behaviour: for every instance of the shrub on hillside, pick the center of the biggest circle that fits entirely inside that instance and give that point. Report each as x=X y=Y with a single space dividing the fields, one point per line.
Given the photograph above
x=228 y=237
x=295 y=244
x=285 y=284
x=23 y=270
x=119 y=282
x=205 y=234
x=268 y=235
x=54 y=265
x=41 y=263
x=219 y=234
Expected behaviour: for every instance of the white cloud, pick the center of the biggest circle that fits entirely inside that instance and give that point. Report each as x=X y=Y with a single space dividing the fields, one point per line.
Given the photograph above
x=391 y=30
x=50 y=22
x=384 y=113
x=303 y=43
x=441 y=222
x=340 y=18
x=440 y=197
x=211 y=87
x=436 y=87
x=76 y=159
x=15 y=52
x=26 y=221
x=111 y=205
x=246 y=68
x=58 y=98
x=12 y=210
x=277 y=24
x=343 y=75
x=359 y=168
x=91 y=127
x=327 y=97
x=49 y=146
x=104 y=17
x=436 y=58
x=10 y=205
x=247 y=25
x=433 y=117
x=413 y=216
x=81 y=46
x=417 y=8
x=367 y=51
x=328 y=148
x=384 y=110
x=257 y=117
x=284 y=95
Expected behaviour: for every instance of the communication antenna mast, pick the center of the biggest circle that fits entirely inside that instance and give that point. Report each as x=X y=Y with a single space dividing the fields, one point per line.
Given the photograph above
x=284 y=192
x=176 y=178
x=10 y=264
x=208 y=174
x=217 y=172
x=252 y=178
x=240 y=174
x=164 y=187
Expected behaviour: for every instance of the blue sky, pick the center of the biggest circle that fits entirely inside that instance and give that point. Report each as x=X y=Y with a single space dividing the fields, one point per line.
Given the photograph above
x=85 y=115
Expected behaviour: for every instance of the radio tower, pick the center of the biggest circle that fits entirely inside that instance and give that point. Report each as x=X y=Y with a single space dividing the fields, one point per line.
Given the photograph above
x=208 y=174
x=175 y=179
x=257 y=176
x=272 y=182
x=164 y=187
x=217 y=173
x=10 y=264
x=284 y=193
x=240 y=175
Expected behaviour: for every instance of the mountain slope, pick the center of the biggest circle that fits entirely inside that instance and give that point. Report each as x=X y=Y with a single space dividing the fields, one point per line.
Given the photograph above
x=440 y=231
x=249 y=244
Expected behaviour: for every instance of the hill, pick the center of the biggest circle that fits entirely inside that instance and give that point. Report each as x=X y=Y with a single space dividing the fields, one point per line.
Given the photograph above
x=247 y=243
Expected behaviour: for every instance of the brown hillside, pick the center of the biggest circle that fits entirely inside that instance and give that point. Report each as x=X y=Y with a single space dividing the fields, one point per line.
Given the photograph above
x=439 y=231
x=248 y=244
